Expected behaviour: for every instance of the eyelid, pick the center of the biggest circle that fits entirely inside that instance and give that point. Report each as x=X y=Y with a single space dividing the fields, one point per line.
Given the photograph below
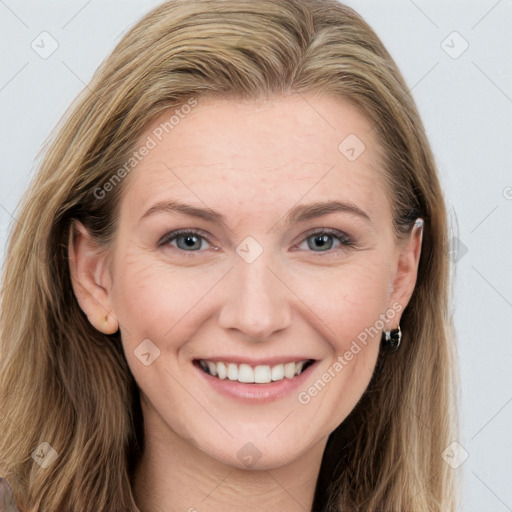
x=329 y=231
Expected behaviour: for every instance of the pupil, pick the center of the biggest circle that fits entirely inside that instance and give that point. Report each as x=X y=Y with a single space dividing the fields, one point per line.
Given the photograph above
x=323 y=241
x=190 y=241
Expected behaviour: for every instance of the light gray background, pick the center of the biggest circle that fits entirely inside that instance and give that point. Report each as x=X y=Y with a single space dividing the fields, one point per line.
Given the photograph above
x=466 y=105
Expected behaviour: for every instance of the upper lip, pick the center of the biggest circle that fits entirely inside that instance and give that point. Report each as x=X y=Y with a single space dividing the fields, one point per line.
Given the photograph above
x=270 y=361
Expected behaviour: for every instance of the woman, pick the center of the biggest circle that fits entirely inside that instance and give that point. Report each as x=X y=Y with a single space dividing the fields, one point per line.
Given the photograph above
x=229 y=282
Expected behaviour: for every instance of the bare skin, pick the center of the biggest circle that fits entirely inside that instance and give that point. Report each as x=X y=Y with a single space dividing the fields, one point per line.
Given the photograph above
x=252 y=162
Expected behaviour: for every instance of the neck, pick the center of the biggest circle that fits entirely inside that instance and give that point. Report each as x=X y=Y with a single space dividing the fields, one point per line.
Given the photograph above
x=174 y=475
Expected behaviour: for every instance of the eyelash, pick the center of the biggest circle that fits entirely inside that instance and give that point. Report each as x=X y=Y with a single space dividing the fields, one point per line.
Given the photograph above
x=345 y=241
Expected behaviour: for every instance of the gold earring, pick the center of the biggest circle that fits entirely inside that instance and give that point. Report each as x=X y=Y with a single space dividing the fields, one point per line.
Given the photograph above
x=110 y=324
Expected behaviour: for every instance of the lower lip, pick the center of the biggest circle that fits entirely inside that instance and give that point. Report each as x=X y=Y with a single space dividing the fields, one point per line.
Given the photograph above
x=256 y=392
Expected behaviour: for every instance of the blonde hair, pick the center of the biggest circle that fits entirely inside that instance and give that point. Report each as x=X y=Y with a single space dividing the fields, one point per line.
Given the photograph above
x=64 y=383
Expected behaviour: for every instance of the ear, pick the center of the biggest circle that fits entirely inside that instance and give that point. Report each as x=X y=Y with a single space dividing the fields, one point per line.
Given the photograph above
x=404 y=278
x=91 y=279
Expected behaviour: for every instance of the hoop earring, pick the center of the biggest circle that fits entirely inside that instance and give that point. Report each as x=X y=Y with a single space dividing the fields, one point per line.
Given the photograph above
x=391 y=339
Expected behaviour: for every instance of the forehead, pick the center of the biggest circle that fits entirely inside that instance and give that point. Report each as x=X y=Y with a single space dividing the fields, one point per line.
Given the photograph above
x=265 y=154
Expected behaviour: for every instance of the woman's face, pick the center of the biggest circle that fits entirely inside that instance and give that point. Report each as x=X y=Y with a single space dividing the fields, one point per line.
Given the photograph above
x=258 y=275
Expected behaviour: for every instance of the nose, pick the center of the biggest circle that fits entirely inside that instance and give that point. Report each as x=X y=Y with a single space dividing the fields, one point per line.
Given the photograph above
x=258 y=302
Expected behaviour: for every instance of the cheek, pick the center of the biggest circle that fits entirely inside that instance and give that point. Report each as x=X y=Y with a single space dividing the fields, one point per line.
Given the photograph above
x=155 y=300
x=347 y=300
x=348 y=305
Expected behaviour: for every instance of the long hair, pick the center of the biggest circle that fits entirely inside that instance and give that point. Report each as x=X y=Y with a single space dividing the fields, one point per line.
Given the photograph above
x=65 y=384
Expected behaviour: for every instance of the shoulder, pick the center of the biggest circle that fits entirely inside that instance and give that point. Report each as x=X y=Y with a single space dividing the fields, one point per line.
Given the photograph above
x=7 y=503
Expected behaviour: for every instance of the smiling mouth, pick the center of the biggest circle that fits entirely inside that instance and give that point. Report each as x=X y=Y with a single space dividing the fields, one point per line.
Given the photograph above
x=260 y=374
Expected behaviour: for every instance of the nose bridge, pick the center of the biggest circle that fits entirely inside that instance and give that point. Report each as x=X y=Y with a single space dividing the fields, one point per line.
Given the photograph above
x=256 y=303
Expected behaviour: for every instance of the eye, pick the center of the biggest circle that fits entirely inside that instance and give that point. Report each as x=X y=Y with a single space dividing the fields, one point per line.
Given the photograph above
x=186 y=240
x=190 y=240
x=323 y=239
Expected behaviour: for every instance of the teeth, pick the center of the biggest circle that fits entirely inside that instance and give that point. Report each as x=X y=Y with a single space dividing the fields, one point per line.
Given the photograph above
x=245 y=373
x=289 y=370
x=261 y=374
x=232 y=371
x=211 y=368
x=222 y=372
x=278 y=372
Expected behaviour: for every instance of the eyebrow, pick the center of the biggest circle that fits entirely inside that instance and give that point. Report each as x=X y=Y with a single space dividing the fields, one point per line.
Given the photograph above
x=299 y=213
